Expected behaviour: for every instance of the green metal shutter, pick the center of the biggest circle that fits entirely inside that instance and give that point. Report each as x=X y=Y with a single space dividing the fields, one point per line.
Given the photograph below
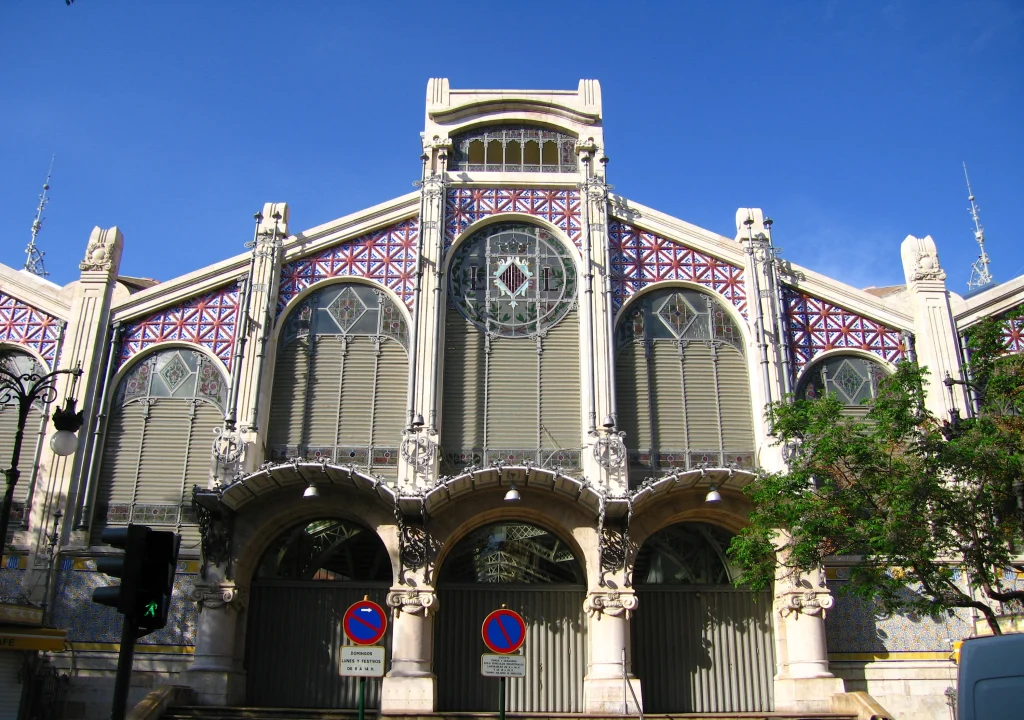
x=288 y=399
x=512 y=394
x=734 y=395
x=389 y=401
x=162 y=461
x=27 y=461
x=463 y=389
x=357 y=392
x=560 y=386
x=701 y=403
x=667 y=391
x=324 y=392
x=120 y=464
x=632 y=396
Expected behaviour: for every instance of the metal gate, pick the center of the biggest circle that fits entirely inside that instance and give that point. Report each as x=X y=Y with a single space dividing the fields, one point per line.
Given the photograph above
x=555 y=648
x=704 y=649
x=294 y=640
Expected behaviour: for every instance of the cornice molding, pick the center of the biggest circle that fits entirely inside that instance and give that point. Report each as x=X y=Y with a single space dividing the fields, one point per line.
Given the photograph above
x=996 y=300
x=37 y=292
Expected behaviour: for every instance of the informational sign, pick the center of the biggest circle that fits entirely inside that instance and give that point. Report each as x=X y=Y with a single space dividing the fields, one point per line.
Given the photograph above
x=365 y=622
x=360 y=661
x=503 y=631
x=502 y=665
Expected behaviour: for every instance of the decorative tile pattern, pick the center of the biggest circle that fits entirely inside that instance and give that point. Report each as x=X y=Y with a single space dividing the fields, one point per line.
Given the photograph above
x=1013 y=334
x=464 y=206
x=854 y=625
x=10 y=581
x=209 y=320
x=387 y=256
x=87 y=621
x=816 y=325
x=639 y=258
x=23 y=324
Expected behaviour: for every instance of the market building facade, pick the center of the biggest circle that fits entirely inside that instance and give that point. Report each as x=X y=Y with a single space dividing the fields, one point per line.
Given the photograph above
x=512 y=386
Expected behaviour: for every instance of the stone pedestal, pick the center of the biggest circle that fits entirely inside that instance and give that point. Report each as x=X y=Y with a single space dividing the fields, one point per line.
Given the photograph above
x=804 y=682
x=214 y=674
x=604 y=688
x=411 y=686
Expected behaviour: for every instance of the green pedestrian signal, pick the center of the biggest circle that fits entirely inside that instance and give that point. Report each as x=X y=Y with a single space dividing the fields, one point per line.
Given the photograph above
x=150 y=610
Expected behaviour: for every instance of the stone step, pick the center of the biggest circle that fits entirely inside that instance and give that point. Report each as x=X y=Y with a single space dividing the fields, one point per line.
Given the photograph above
x=205 y=712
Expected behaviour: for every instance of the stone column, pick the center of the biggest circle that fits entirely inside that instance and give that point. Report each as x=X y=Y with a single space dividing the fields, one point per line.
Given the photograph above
x=214 y=674
x=804 y=682
x=604 y=692
x=411 y=686
x=935 y=333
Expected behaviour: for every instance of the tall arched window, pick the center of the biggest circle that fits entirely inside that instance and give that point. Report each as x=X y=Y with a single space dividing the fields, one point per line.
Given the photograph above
x=853 y=379
x=19 y=364
x=512 y=358
x=340 y=380
x=682 y=386
x=159 y=441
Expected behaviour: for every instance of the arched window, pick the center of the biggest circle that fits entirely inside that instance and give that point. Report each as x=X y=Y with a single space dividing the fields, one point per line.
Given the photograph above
x=159 y=440
x=329 y=549
x=853 y=379
x=340 y=380
x=682 y=385
x=514 y=148
x=691 y=553
x=19 y=364
x=512 y=359
x=511 y=553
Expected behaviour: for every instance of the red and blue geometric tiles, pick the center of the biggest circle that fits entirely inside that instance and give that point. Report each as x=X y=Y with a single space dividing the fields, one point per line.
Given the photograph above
x=1013 y=335
x=464 y=206
x=639 y=258
x=387 y=256
x=816 y=325
x=25 y=325
x=208 y=320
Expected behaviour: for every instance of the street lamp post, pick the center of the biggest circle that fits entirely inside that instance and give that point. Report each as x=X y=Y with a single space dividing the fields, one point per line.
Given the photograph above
x=22 y=389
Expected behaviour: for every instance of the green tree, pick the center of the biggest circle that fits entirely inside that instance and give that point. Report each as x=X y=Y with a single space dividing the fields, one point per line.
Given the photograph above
x=915 y=498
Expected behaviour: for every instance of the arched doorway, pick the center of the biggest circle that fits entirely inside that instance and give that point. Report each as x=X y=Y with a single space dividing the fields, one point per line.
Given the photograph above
x=534 y=572
x=300 y=591
x=700 y=643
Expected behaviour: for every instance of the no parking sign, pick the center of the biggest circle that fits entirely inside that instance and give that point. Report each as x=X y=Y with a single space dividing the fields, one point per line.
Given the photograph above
x=365 y=622
x=503 y=631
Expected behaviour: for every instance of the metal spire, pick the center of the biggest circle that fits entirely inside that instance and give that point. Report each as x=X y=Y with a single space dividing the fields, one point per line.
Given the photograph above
x=34 y=256
x=980 y=275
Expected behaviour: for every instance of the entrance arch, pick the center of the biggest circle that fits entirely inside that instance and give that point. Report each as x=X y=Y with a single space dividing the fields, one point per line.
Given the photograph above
x=301 y=588
x=530 y=570
x=700 y=643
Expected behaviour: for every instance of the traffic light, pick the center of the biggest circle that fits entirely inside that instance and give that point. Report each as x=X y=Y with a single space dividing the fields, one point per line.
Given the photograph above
x=156 y=580
x=147 y=575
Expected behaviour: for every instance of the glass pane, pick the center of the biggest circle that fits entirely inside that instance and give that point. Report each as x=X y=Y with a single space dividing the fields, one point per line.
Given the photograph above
x=511 y=553
x=327 y=549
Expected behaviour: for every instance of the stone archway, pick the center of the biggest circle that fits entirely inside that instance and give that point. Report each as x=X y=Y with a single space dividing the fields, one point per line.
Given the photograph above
x=701 y=644
x=301 y=587
x=535 y=572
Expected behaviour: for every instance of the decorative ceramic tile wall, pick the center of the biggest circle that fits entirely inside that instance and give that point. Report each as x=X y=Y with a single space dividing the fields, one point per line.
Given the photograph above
x=11 y=578
x=1014 y=335
x=87 y=621
x=464 y=206
x=387 y=256
x=639 y=258
x=22 y=324
x=208 y=320
x=816 y=325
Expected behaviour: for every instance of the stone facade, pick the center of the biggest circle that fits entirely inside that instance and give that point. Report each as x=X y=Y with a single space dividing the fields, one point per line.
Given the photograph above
x=419 y=497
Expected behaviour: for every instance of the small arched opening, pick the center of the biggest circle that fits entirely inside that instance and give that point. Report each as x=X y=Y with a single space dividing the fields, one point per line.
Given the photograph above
x=303 y=585
x=701 y=644
x=535 y=572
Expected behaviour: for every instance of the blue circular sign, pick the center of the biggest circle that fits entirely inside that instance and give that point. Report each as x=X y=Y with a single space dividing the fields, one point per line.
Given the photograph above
x=503 y=631
x=365 y=622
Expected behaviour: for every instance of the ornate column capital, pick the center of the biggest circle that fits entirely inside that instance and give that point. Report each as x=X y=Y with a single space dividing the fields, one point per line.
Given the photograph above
x=611 y=603
x=220 y=595
x=413 y=602
x=806 y=601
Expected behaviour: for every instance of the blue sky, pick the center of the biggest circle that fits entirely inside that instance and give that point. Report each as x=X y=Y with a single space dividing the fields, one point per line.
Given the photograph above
x=846 y=121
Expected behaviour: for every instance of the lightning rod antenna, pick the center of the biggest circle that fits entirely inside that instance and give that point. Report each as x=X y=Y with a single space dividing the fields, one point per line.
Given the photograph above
x=33 y=255
x=980 y=275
